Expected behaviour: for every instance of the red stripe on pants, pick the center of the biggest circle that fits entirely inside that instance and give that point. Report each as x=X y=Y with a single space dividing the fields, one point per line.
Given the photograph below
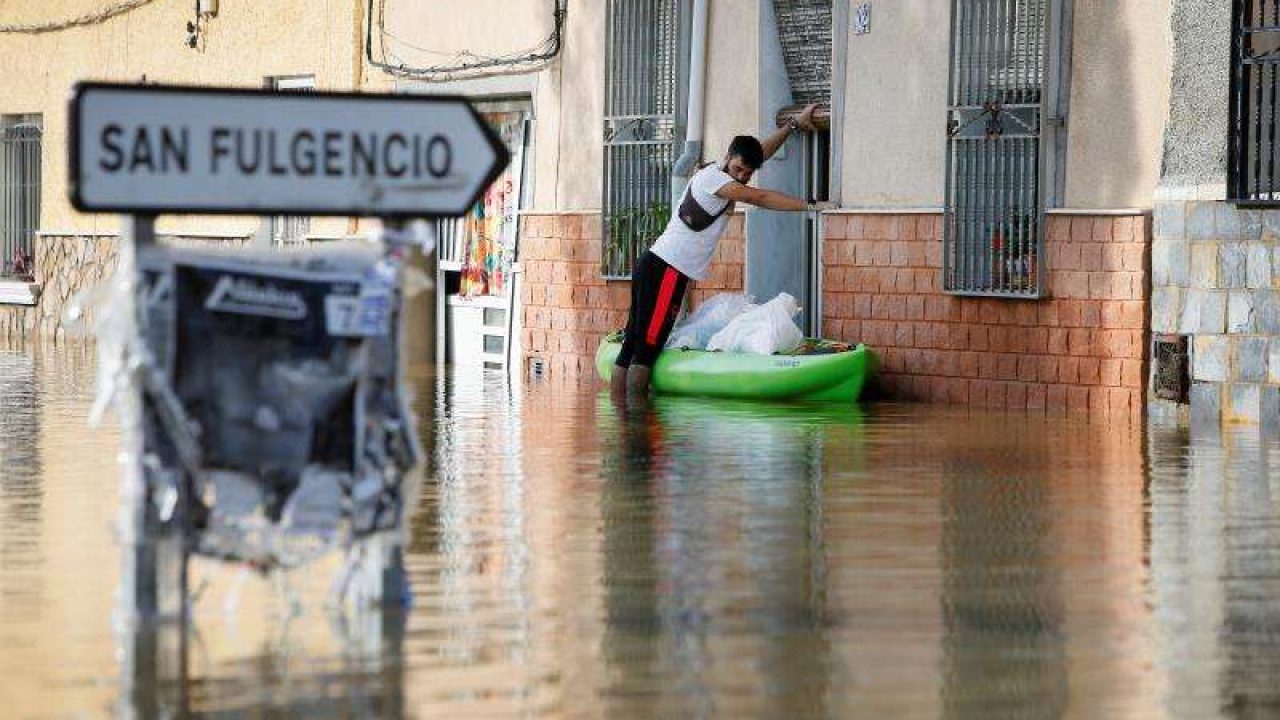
x=665 y=291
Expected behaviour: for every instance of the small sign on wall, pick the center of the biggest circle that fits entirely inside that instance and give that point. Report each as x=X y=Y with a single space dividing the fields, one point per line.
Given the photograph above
x=862 y=19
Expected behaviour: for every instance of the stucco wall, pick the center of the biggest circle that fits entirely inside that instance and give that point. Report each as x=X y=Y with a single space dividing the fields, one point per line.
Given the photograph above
x=242 y=45
x=1118 y=104
x=568 y=92
x=1195 y=145
x=896 y=97
x=732 y=75
x=895 y=107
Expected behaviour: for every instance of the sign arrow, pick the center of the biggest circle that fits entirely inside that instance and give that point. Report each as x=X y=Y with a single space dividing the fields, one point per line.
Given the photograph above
x=161 y=149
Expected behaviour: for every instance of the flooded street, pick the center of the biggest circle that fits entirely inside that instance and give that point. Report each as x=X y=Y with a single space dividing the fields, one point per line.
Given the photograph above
x=690 y=559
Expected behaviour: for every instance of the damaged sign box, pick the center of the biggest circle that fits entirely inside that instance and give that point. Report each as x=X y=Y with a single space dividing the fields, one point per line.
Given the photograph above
x=261 y=393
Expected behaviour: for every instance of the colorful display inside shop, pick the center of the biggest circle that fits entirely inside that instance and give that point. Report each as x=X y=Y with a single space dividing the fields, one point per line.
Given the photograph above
x=488 y=232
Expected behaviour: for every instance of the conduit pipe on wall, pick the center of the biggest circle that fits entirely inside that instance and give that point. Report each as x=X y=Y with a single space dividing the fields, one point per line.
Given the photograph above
x=688 y=160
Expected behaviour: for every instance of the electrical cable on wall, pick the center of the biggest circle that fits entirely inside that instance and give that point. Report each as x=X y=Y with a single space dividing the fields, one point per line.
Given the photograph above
x=86 y=19
x=469 y=64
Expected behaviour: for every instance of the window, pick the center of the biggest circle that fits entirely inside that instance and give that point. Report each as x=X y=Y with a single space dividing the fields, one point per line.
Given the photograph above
x=1255 y=53
x=642 y=97
x=20 y=138
x=996 y=143
x=291 y=229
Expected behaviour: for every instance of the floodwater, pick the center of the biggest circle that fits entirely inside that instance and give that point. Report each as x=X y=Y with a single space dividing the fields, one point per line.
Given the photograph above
x=690 y=559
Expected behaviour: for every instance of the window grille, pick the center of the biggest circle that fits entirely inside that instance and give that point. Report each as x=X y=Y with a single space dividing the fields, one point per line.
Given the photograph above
x=1255 y=52
x=20 y=140
x=993 y=228
x=640 y=134
x=1170 y=374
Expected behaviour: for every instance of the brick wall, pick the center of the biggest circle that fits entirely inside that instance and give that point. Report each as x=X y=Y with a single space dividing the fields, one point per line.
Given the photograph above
x=1081 y=349
x=568 y=306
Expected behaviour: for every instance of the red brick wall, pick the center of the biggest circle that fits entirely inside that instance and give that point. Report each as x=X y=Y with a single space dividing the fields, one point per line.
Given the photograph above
x=1083 y=348
x=568 y=307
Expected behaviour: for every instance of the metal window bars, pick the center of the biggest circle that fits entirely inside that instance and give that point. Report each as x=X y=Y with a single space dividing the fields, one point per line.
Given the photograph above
x=993 y=225
x=1255 y=85
x=20 y=145
x=640 y=133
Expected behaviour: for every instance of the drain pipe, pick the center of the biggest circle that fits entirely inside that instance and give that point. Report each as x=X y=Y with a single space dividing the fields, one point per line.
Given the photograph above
x=688 y=160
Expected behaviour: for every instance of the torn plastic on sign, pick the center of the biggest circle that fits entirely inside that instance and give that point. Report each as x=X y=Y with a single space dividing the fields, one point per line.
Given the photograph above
x=271 y=396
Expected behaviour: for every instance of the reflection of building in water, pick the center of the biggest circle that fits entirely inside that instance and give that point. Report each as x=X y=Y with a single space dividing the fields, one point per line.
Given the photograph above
x=1002 y=566
x=502 y=558
x=56 y=563
x=714 y=553
x=1043 y=561
x=1215 y=566
x=21 y=495
x=1004 y=646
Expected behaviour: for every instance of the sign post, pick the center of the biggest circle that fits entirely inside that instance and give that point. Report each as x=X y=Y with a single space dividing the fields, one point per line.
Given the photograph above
x=146 y=150
x=157 y=149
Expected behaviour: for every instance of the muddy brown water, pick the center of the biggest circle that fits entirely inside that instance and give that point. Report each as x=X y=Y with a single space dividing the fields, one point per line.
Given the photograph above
x=687 y=559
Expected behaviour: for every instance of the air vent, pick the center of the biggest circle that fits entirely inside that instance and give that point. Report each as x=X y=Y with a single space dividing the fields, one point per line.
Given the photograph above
x=1169 y=361
x=537 y=367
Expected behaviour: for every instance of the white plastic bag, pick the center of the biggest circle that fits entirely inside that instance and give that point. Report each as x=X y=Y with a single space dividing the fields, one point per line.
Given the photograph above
x=764 y=330
x=708 y=319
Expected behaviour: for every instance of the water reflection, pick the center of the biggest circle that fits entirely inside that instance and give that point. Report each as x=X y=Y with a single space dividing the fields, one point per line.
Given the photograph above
x=686 y=558
x=1215 y=566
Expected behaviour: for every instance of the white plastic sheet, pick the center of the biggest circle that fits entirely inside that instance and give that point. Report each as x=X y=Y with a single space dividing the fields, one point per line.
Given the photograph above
x=763 y=330
x=708 y=319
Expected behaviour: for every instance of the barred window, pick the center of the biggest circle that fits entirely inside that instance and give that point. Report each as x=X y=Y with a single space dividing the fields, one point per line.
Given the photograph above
x=993 y=227
x=20 y=145
x=642 y=98
x=1255 y=52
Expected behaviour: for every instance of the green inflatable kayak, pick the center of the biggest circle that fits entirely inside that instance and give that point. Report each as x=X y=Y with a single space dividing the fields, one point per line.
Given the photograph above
x=817 y=370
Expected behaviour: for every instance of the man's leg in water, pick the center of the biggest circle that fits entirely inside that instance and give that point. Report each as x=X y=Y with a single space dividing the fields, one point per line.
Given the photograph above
x=618 y=381
x=639 y=379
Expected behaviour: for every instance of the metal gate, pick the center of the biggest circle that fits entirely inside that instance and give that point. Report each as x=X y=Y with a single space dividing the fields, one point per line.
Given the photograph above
x=1255 y=85
x=640 y=135
x=993 y=229
x=19 y=196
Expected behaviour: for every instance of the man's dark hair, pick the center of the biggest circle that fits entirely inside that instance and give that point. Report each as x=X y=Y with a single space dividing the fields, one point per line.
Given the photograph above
x=749 y=149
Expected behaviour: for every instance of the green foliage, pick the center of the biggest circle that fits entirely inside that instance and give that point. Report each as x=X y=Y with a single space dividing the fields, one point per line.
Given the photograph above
x=629 y=231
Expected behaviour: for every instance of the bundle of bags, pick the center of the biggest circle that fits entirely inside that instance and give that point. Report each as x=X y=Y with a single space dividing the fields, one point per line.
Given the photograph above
x=733 y=323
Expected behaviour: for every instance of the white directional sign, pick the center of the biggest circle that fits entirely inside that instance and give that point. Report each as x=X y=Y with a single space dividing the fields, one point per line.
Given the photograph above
x=153 y=149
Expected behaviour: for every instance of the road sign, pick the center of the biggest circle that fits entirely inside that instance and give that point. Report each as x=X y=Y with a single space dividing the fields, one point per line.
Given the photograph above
x=156 y=149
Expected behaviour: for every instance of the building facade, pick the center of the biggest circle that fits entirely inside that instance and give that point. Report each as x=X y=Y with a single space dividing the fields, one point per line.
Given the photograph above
x=995 y=163
x=51 y=251
x=1028 y=190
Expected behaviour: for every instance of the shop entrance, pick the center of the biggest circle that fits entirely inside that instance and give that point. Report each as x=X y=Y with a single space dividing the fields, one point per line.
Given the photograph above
x=477 y=312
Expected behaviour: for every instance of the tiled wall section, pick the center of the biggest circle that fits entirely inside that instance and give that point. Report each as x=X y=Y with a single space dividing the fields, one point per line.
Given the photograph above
x=1216 y=277
x=568 y=306
x=1082 y=349
x=65 y=265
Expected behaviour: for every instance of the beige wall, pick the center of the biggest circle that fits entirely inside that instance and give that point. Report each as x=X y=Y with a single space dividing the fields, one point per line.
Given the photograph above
x=568 y=92
x=244 y=43
x=733 y=75
x=1119 y=102
x=896 y=96
x=895 y=107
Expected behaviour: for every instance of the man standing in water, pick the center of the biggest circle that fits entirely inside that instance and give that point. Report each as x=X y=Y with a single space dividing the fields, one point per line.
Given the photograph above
x=684 y=250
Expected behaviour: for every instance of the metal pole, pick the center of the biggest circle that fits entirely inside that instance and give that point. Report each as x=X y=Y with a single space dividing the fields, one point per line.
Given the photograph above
x=154 y=552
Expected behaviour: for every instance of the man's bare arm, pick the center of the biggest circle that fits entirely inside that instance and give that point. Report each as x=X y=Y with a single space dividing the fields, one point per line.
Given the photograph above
x=768 y=199
x=775 y=140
